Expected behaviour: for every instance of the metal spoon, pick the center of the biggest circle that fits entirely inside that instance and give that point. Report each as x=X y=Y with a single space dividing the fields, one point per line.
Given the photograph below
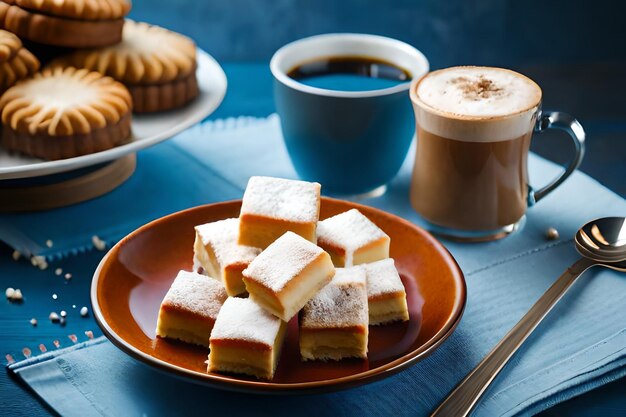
x=601 y=242
x=607 y=236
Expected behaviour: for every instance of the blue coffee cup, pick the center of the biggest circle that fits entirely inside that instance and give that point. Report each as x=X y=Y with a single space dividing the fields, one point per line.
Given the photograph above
x=352 y=142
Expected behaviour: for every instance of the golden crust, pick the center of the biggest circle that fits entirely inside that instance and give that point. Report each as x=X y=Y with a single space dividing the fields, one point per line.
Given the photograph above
x=147 y=55
x=77 y=9
x=69 y=146
x=23 y=64
x=163 y=97
x=62 y=102
x=9 y=45
x=59 y=31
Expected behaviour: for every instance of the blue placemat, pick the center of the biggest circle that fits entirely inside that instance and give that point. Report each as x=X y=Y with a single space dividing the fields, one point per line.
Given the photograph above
x=581 y=345
x=168 y=179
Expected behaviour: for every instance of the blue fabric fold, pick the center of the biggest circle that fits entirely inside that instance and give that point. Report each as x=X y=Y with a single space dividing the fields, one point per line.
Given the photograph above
x=580 y=345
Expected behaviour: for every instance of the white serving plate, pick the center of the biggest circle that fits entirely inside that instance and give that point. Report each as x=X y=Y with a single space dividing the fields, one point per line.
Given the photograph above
x=147 y=130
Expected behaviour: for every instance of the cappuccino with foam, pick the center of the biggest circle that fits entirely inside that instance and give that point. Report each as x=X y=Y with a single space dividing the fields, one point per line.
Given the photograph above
x=474 y=126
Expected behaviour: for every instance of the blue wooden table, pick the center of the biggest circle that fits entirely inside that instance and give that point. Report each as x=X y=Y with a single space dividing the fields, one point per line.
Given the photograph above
x=250 y=94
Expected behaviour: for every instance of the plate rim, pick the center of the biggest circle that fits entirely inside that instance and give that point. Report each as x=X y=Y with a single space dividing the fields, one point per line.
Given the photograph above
x=268 y=387
x=44 y=168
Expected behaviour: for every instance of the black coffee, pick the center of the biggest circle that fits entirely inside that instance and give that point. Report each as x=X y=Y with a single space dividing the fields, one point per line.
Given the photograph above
x=350 y=73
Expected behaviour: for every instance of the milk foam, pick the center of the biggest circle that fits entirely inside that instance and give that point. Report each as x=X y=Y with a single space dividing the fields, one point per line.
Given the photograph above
x=478 y=104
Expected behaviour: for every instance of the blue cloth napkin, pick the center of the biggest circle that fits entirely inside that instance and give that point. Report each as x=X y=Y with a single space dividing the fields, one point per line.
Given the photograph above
x=168 y=179
x=581 y=345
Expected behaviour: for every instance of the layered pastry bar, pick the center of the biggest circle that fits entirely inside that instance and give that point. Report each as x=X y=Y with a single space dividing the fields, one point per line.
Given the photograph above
x=217 y=251
x=333 y=324
x=352 y=239
x=273 y=206
x=287 y=274
x=190 y=307
x=246 y=339
x=386 y=295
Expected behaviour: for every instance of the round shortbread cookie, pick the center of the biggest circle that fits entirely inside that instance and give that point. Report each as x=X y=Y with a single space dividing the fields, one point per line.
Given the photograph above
x=16 y=62
x=59 y=31
x=147 y=54
x=157 y=65
x=77 y=9
x=61 y=113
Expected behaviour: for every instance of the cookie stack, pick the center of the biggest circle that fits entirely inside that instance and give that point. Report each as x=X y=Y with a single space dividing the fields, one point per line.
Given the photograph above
x=82 y=101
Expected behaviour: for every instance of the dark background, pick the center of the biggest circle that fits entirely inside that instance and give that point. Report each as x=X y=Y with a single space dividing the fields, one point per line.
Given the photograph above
x=450 y=32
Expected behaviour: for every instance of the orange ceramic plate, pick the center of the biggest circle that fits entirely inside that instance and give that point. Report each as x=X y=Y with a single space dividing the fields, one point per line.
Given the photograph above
x=133 y=277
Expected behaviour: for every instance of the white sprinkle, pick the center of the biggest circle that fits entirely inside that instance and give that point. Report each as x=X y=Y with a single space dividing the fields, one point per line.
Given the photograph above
x=17 y=295
x=9 y=292
x=58 y=271
x=63 y=313
x=98 y=243
x=62 y=321
x=73 y=305
x=49 y=243
x=33 y=321
x=68 y=276
x=39 y=261
x=16 y=255
x=84 y=311
x=54 y=296
x=54 y=317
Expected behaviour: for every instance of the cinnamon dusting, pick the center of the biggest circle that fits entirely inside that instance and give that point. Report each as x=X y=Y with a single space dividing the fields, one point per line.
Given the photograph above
x=481 y=88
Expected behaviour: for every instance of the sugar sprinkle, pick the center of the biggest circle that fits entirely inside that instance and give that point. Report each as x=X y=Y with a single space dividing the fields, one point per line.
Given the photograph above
x=98 y=243
x=84 y=311
x=16 y=255
x=58 y=271
x=54 y=317
x=39 y=261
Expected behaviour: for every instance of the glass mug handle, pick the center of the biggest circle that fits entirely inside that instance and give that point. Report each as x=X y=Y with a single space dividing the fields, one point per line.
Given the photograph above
x=560 y=121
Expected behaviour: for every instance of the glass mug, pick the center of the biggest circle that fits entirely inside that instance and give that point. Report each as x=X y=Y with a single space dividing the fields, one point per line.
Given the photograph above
x=474 y=127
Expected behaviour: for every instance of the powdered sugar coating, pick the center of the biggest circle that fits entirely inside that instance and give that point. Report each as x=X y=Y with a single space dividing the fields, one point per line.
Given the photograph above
x=350 y=230
x=291 y=200
x=341 y=303
x=383 y=278
x=196 y=293
x=282 y=261
x=222 y=237
x=243 y=319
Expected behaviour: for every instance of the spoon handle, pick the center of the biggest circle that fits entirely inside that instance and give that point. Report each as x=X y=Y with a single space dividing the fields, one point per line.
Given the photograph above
x=461 y=401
